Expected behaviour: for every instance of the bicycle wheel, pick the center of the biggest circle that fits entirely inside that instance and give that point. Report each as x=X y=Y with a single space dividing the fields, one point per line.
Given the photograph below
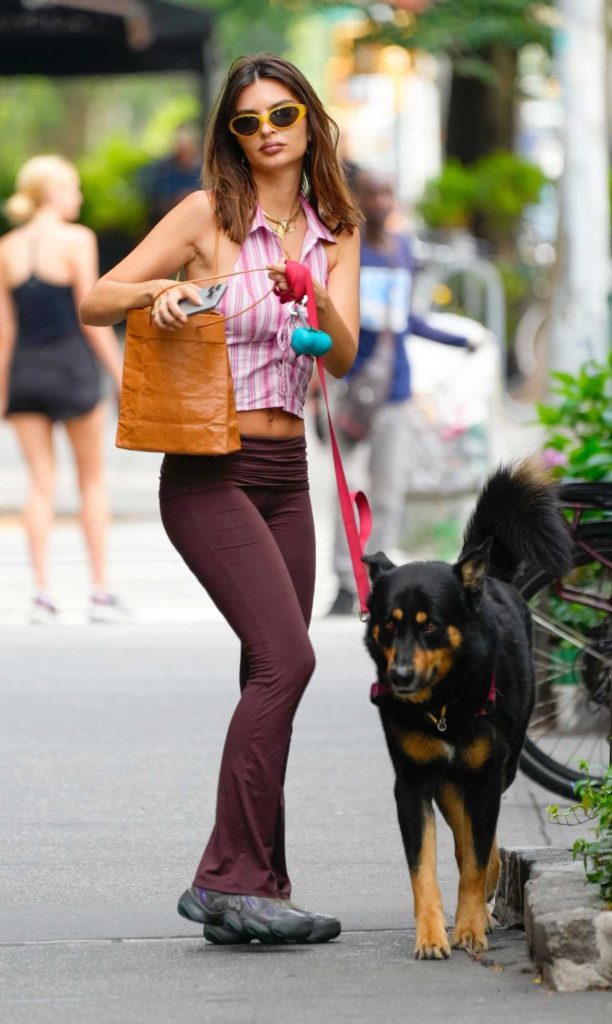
x=573 y=664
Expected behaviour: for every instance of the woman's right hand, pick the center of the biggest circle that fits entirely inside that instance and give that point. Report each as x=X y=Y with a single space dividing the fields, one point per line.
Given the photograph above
x=165 y=309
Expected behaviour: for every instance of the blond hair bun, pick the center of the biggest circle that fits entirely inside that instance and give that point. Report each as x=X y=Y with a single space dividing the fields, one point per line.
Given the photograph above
x=19 y=208
x=32 y=184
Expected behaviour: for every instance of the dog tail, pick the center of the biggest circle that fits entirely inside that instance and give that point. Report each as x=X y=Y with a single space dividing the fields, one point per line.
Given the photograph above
x=519 y=510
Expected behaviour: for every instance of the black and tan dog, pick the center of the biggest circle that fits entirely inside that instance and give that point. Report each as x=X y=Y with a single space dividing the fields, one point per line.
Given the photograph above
x=452 y=645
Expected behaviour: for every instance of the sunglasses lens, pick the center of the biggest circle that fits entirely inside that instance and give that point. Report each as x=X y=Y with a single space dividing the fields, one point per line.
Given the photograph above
x=245 y=125
x=283 y=117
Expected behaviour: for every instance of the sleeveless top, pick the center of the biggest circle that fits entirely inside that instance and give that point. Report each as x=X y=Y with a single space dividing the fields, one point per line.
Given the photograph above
x=266 y=371
x=44 y=312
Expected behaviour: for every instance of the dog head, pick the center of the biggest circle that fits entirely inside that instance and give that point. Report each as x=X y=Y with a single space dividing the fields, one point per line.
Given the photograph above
x=423 y=620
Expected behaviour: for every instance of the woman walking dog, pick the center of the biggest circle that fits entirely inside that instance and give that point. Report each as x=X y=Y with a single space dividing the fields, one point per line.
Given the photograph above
x=243 y=522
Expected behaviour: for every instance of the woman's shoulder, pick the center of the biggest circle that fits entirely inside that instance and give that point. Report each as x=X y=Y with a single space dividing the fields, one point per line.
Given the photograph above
x=198 y=205
x=75 y=233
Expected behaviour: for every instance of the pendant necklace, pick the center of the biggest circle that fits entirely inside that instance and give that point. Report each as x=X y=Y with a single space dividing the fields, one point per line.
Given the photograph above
x=283 y=226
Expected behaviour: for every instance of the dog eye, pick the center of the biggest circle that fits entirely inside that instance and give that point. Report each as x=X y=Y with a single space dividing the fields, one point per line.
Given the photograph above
x=430 y=627
x=390 y=625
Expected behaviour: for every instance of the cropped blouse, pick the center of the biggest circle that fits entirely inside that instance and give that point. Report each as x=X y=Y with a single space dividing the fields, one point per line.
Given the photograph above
x=266 y=371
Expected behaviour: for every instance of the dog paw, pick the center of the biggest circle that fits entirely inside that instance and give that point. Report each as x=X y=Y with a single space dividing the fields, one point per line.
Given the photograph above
x=432 y=944
x=469 y=937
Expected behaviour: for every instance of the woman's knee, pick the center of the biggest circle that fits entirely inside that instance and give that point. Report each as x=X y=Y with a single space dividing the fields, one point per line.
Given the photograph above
x=42 y=485
x=305 y=662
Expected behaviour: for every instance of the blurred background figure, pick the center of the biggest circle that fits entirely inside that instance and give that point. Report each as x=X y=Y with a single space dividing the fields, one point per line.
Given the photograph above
x=49 y=365
x=167 y=181
x=371 y=409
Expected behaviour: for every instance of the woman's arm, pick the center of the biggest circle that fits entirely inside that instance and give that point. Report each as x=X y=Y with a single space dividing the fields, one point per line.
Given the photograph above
x=147 y=270
x=85 y=272
x=337 y=305
x=8 y=332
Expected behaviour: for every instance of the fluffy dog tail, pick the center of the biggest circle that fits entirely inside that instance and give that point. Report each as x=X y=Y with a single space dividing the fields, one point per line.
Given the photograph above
x=518 y=509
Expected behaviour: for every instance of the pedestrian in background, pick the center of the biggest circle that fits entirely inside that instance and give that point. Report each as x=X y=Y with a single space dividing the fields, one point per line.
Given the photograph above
x=371 y=408
x=49 y=370
x=243 y=522
x=167 y=181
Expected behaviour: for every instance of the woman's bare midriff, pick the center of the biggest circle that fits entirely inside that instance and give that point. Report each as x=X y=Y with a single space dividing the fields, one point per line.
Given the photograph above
x=269 y=423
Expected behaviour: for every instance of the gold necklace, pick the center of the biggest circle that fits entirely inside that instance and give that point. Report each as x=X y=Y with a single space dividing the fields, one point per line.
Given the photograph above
x=284 y=225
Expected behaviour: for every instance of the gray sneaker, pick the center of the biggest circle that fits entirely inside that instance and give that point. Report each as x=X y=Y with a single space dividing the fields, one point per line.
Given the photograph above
x=246 y=917
x=324 y=928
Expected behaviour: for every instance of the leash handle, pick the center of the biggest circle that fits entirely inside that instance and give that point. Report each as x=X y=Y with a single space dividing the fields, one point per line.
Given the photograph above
x=299 y=280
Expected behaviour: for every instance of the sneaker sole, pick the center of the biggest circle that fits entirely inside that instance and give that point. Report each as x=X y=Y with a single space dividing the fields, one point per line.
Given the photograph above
x=223 y=935
x=220 y=935
x=248 y=928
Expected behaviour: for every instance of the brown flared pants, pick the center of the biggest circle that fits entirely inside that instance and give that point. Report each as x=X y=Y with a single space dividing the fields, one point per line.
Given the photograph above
x=243 y=525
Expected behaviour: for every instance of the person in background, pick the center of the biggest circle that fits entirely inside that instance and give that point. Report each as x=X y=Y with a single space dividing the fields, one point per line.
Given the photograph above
x=387 y=271
x=49 y=365
x=167 y=181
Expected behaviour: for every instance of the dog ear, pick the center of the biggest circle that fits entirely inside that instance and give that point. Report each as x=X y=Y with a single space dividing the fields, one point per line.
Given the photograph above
x=472 y=568
x=377 y=564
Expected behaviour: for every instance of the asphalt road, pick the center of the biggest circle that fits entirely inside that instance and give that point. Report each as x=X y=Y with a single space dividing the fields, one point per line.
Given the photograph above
x=110 y=739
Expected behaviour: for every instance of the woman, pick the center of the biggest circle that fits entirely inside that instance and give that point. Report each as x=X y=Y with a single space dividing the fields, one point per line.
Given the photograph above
x=48 y=368
x=243 y=523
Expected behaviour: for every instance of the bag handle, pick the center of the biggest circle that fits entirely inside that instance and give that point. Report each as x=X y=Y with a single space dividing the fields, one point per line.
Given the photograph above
x=300 y=284
x=216 y=277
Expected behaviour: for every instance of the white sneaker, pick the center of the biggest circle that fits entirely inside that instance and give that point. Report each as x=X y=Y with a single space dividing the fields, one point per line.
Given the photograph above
x=43 y=610
x=105 y=607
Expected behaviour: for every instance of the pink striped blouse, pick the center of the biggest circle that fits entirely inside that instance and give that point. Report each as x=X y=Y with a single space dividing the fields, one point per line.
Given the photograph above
x=266 y=371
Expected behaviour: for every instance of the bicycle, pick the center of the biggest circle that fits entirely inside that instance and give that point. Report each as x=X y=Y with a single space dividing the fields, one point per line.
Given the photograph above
x=572 y=716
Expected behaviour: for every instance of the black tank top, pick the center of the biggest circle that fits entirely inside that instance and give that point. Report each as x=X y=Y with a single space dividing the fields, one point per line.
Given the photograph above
x=45 y=312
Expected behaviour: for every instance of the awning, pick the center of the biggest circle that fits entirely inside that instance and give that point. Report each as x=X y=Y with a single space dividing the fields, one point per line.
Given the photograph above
x=102 y=37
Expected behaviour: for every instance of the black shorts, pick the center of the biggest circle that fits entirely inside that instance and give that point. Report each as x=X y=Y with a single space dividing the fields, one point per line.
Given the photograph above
x=59 y=380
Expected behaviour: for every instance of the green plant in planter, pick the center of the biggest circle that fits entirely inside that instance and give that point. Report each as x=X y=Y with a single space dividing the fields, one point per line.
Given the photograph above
x=506 y=184
x=449 y=200
x=595 y=804
x=579 y=426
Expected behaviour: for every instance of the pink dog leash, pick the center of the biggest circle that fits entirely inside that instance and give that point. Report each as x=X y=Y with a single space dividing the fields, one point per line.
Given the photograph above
x=300 y=284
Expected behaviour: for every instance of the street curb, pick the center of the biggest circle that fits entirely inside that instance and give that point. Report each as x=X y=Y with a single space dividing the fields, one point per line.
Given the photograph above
x=568 y=929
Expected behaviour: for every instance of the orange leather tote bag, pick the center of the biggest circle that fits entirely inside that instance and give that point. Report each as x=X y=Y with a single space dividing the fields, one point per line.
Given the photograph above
x=177 y=394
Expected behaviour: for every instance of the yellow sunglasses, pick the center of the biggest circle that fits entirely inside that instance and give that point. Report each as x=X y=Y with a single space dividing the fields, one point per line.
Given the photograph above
x=281 y=117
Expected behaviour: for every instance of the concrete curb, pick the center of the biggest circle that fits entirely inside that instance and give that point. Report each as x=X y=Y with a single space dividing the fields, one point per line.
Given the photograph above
x=568 y=929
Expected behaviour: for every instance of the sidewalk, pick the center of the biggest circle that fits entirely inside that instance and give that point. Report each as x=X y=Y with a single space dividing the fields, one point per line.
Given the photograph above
x=111 y=739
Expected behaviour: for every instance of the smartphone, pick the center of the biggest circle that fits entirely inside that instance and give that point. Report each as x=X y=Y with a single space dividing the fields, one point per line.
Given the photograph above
x=210 y=296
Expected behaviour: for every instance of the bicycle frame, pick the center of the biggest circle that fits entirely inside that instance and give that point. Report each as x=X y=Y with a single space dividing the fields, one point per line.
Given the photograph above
x=570 y=593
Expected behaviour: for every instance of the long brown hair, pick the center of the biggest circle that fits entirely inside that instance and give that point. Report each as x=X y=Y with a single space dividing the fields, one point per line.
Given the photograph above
x=227 y=173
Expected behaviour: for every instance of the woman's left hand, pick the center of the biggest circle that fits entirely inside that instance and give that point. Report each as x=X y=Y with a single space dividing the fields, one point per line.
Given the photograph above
x=278 y=274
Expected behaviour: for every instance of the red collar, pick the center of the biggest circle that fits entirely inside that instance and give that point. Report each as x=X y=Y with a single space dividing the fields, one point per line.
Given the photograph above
x=384 y=690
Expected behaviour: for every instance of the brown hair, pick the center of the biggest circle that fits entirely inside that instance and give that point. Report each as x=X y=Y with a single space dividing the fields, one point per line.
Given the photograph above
x=227 y=173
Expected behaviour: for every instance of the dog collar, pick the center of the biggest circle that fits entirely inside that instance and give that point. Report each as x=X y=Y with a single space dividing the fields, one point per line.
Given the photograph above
x=378 y=690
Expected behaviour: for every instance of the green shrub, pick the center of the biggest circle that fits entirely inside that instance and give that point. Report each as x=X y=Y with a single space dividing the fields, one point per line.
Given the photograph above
x=506 y=184
x=497 y=188
x=579 y=426
x=596 y=804
x=109 y=179
x=449 y=199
